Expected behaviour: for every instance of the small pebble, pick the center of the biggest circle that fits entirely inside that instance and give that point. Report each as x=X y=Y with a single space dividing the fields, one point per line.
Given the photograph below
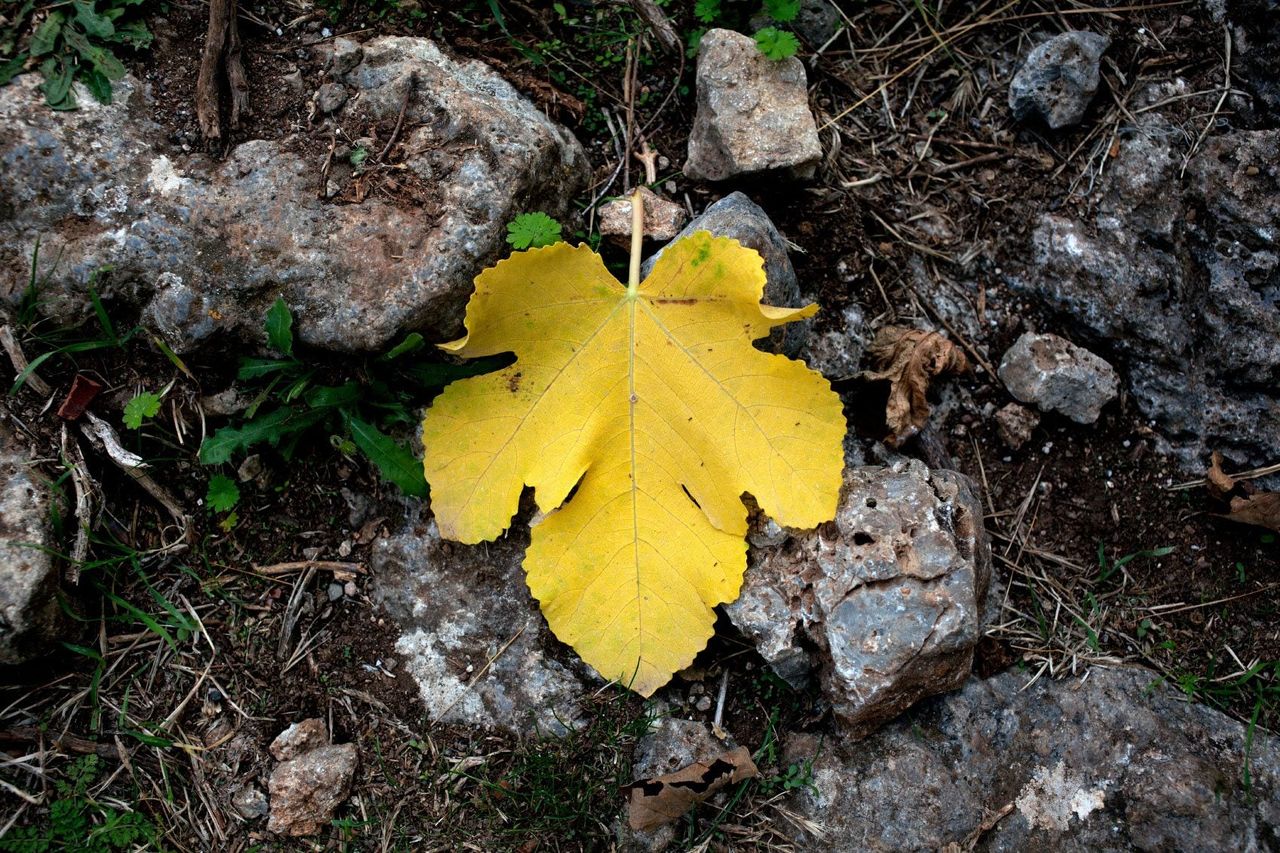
x=350 y=589
x=335 y=591
x=704 y=704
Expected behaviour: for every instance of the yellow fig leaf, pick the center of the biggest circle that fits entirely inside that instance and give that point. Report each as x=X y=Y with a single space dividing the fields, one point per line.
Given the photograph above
x=652 y=402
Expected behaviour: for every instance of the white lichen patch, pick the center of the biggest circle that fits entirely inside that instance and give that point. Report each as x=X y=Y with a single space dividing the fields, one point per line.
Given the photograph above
x=163 y=178
x=1053 y=797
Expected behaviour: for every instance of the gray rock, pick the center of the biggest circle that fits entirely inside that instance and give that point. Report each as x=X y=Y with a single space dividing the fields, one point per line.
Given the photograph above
x=30 y=618
x=307 y=790
x=885 y=602
x=1057 y=376
x=739 y=217
x=330 y=97
x=1015 y=424
x=299 y=738
x=1179 y=282
x=458 y=606
x=207 y=246
x=343 y=54
x=1059 y=78
x=249 y=802
x=1111 y=762
x=817 y=21
x=753 y=112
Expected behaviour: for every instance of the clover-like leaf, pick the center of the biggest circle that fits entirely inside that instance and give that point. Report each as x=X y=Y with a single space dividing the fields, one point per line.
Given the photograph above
x=139 y=408
x=776 y=44
x=223 y=493
x=652 y=403
x=532 y=231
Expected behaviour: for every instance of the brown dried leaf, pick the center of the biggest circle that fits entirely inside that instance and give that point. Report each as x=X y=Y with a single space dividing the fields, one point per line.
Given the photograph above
x=1220 y=482
x=655 y=802
x=908 y=358
x=1262 y=509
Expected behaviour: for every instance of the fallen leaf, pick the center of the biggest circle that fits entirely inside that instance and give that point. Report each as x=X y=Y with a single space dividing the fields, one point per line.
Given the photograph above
x=655 y=802
x=907 y=359
x=1262 y=509
x=1220 y=482
x=651 y=405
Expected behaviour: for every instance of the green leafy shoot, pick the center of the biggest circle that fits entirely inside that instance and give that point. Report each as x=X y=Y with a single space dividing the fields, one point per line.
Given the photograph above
x=782 y=11
x=396 y=462
x=532 y=231
x=280 y=327
x=358 y=155
x=223 y=493
x=776 y=44
x=142 y=407
x=69 y=42
x=707 y=11
x=1108 y=567
x=357 y=413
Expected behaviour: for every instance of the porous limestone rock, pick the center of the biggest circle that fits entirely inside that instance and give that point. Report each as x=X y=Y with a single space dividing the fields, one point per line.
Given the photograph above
x=885 y=603
x=1059 y=78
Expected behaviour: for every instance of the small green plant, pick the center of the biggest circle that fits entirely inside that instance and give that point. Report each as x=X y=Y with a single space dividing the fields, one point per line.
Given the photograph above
x=77 y=823
x=773 y=41
x=777 y=44
x=66 y=342
x=782 y=11
x=291 y=399
x=707 y=11
x=71 y=41
x=532 y=231
x=1107 y=568
x=223 y=493
x=142 y=407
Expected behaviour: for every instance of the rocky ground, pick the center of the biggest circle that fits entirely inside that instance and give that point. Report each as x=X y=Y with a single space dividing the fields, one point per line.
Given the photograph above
x=1038 y=620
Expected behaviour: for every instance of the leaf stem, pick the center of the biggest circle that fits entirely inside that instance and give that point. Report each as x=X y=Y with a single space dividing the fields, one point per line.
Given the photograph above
x=637 y=239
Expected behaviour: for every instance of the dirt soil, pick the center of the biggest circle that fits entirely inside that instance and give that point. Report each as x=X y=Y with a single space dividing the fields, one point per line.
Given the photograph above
x=927 y=187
